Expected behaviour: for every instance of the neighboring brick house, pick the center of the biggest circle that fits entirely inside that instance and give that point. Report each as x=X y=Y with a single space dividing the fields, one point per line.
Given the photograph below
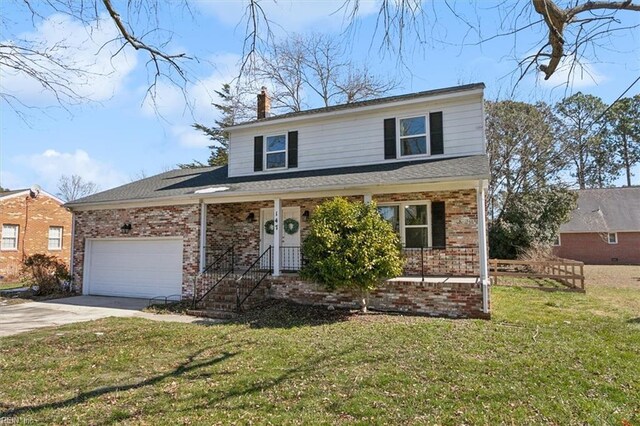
x=604 y=228
x=185 y=233
x=32 y=222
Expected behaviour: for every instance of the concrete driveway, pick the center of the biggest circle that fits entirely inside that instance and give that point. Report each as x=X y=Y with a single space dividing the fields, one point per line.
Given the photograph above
x=28 y=316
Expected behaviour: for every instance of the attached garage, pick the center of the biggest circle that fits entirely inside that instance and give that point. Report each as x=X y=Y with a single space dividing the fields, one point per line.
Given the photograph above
x=133 y=267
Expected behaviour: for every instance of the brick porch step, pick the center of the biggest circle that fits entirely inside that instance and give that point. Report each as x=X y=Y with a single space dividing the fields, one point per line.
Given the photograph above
x=212 y=313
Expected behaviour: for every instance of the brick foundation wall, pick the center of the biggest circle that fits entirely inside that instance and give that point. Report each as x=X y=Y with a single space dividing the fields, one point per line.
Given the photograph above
x=592 y=248
x=42 y=212
x=447 y=299
x=169 y=221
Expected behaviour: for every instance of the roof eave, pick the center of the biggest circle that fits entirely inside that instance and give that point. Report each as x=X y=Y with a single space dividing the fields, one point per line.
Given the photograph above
x=248 y=194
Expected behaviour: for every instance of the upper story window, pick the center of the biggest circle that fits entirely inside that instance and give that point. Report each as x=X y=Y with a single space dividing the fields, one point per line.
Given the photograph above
x=55 y=238
x=9 y=237
x=413 y=136
x=612 y=238
x=556 y=240
x=276 y=152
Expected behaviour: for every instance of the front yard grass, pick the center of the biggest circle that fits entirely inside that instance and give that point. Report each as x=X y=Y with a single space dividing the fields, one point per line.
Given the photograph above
x=11 y=285
x=545 y=357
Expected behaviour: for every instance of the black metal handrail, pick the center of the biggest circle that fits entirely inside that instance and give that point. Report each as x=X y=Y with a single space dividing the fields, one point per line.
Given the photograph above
x=217 y=271
x=253 y=277
x=291 y=258
x=438 y=261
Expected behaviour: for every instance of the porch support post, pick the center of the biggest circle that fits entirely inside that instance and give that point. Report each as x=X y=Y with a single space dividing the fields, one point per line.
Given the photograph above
x=203 y=236
x=482 y=245
x=277 y=212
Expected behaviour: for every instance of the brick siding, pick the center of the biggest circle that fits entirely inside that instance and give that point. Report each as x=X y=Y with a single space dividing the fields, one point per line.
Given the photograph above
x=449 y=299
x=33 y=216
x=593 y=248
x=227 y=225
x=170 y=221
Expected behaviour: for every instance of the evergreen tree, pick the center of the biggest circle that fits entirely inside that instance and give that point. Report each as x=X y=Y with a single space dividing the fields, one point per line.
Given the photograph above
x=232 y=111
x=586 y=140
x=624 y=125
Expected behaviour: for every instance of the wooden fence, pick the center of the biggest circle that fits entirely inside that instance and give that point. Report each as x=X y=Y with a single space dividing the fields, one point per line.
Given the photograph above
x=567 y=272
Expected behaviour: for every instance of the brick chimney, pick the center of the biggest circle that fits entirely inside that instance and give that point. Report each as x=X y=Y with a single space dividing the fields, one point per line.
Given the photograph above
x=264 y=104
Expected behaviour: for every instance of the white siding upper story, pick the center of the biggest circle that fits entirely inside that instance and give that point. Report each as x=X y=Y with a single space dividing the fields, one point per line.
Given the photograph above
x=355 y=137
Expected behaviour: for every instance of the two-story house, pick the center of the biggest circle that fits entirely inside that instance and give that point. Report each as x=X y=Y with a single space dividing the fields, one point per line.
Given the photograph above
x=33 y=221
x=210 y=233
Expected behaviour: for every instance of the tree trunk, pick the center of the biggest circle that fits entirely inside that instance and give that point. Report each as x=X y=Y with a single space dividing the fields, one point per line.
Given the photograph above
x=364 y=299
x=625 y=153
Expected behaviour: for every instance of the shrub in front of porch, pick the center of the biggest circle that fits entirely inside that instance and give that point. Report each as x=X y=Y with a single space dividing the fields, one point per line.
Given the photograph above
x=351 y=246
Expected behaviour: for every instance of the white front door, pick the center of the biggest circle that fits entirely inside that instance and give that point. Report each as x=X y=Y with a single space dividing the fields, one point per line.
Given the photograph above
x=290 y=258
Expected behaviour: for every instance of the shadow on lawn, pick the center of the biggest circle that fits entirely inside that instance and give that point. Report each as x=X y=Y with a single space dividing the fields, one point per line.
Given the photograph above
x=183 y=368
x=283 y=314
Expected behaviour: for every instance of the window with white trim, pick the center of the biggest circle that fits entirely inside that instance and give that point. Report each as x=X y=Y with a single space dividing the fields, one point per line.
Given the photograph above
x=412 y=221
x=276 y=152
x=413 y=135
x=612 y=238
x=556 y=241
x=10 y=237
x=55 y=238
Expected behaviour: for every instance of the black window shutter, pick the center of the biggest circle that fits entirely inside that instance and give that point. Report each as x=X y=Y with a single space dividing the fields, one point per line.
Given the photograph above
x=437 y=137
x=257 y=153
x=389 y=138
x=292 y=153
x=439 y=233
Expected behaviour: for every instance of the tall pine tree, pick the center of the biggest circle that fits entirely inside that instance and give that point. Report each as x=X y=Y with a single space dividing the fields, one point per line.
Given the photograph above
x=232 y=111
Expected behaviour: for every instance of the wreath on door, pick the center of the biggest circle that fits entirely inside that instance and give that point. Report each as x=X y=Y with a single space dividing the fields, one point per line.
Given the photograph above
x=291 y=226
x=269 y=226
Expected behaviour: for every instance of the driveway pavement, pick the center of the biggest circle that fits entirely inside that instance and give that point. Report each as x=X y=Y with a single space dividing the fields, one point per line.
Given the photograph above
x=28 y=316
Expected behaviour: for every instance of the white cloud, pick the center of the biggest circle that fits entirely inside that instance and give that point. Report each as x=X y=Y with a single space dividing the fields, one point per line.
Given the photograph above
x=189 y=137
x=83 y=47
x=49 y=165
x=581 y=76
x=290 y=15
x=181 y=109
x=193 y=101
x=11 y=180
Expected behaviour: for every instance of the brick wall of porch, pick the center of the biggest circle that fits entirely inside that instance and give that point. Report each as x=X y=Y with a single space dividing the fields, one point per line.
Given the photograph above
x=227 y=225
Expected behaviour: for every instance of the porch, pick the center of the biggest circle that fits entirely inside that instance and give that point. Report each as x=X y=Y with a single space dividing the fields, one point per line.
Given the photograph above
x=253 y=249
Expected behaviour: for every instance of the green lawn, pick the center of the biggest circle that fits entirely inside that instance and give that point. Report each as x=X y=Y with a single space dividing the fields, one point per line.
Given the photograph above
x=544 y=358
x=10 y=285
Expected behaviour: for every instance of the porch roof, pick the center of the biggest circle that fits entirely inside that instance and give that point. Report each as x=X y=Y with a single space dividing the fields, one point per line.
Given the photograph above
x=213 y=182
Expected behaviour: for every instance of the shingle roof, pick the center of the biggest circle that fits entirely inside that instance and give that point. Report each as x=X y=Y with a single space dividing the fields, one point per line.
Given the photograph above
x=15 y=191
x=185 y=182
x=377 y=101
x=605 y=210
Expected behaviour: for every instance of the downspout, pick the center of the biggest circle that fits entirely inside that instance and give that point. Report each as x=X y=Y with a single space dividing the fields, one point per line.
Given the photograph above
x=203 y=236
x=73 y=254
x=482 y=245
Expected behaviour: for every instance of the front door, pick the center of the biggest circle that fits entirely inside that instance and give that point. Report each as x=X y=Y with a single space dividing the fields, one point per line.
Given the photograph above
x=290 y=259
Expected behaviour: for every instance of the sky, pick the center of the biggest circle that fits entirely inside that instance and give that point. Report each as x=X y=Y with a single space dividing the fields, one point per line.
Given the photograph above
x=117 y=135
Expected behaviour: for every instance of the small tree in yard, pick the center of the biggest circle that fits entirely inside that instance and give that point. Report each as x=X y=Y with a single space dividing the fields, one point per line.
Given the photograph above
x=351 y=246
x=46 y=272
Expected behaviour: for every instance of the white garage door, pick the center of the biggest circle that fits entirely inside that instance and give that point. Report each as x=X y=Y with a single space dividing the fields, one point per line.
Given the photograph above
x=134 y=267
